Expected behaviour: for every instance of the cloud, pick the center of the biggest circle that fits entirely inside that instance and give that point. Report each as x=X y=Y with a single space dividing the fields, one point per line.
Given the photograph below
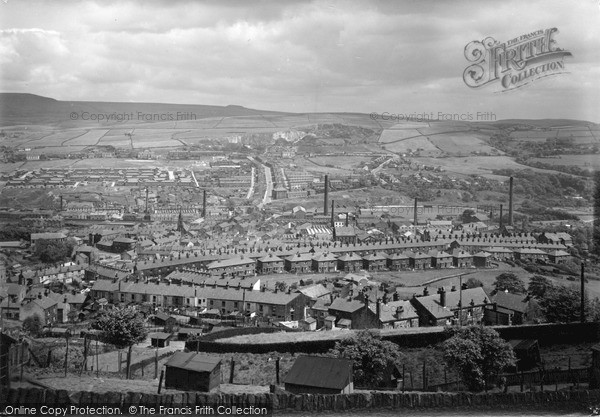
x=299 y=56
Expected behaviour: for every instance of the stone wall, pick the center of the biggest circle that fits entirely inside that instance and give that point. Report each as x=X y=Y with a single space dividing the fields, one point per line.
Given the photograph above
x=577 y=400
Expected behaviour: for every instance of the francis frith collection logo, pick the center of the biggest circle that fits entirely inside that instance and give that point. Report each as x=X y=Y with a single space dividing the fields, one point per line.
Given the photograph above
x=516 y=62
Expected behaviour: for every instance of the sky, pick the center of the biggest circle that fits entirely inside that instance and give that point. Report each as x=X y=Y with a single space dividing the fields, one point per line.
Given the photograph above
x=398 y=57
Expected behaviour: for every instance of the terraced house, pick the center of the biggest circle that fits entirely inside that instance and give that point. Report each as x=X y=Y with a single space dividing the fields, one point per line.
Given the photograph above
x=234 y=267
x=270 y=264
x=299 y=263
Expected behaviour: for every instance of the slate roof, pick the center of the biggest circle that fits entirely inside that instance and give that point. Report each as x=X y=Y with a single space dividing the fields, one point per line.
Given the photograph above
x=514 y=302
x=342 y=304
x=320 y=372
x=432 y=302
x=315 y=291
x=193 y=361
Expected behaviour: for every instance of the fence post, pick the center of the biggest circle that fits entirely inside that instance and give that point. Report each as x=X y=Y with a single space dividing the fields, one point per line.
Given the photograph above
x=156 y=363
x=97 y=361
x=522 y=380
x=66 y=356
x=231 y=371
x=85 y=354
x=162 y=374
x=22 y=359
x=403 y=376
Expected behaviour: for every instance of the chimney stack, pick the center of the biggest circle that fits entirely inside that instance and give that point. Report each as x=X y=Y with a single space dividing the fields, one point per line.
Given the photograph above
x=442 y=297
x=326 y=195
x=347 y=217
x=510 y=202
x=332 y=214
x=500 y=226
x=415 y=214
x=204 y=204
x=61 y=203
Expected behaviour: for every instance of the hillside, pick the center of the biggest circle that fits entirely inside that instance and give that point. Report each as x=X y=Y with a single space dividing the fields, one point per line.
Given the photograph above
x=18 y=108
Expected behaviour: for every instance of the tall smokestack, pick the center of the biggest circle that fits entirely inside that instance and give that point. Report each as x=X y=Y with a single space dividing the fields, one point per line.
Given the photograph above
x=326 y=195
x=61 y=203
x=347 y=218
x=332 y=214
x=415 y=213
x=146 y=200
x=510 y=202
x=500 y=217
x=204 y=204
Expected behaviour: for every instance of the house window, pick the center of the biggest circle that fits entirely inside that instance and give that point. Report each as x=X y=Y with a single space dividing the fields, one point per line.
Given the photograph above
x=248 y=306
x=235 y=305
x=212 y=302
x=222 y=303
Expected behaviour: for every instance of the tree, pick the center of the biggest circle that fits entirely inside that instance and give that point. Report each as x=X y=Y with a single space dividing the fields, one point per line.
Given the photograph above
x=467 y=216
x=538 y=285
x=509 y=281
x=477 y=353
x=50 y=251
x=473 y=283
x=33 y=325
x=122 y=327
x=561 y=304
x=371 y=356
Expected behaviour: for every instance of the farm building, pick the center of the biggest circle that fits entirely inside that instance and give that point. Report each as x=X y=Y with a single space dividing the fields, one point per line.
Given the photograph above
x=160 y=339
x=320 y=375
x=189 y=371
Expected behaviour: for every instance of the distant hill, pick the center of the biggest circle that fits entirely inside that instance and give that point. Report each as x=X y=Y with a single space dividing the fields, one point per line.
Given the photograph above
x=20 y=108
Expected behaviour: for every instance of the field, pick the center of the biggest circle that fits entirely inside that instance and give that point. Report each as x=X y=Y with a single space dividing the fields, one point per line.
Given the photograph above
x=420 y=144
x=393 y=135
x=464 y=143
x=342 y=162
x=90 y=138
x=590 y=161
x=478 y=165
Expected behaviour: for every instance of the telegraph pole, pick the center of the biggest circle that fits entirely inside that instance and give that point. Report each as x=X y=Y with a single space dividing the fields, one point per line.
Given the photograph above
x=582 y=307
x=460 y=301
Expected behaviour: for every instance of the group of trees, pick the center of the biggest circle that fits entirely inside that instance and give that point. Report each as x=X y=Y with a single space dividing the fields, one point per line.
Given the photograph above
x=50 y=251
x=476 y=353
x=558 y=303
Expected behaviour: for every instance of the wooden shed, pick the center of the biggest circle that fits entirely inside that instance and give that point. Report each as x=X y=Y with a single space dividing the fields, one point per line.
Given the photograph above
x=320 y=375
x=160 y=339
x=527 y=352
x=189 y=371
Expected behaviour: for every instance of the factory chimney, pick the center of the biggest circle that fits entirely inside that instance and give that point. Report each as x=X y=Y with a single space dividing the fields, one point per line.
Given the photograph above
x=332 y=214
x=500 y=226
x=204 y=204
x=326 y=195
x=61 y=203
x=510 y=202
x=415 y=214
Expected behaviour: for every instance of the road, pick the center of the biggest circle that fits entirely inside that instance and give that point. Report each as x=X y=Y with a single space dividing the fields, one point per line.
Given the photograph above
x=269 y=191
x=251 y=190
